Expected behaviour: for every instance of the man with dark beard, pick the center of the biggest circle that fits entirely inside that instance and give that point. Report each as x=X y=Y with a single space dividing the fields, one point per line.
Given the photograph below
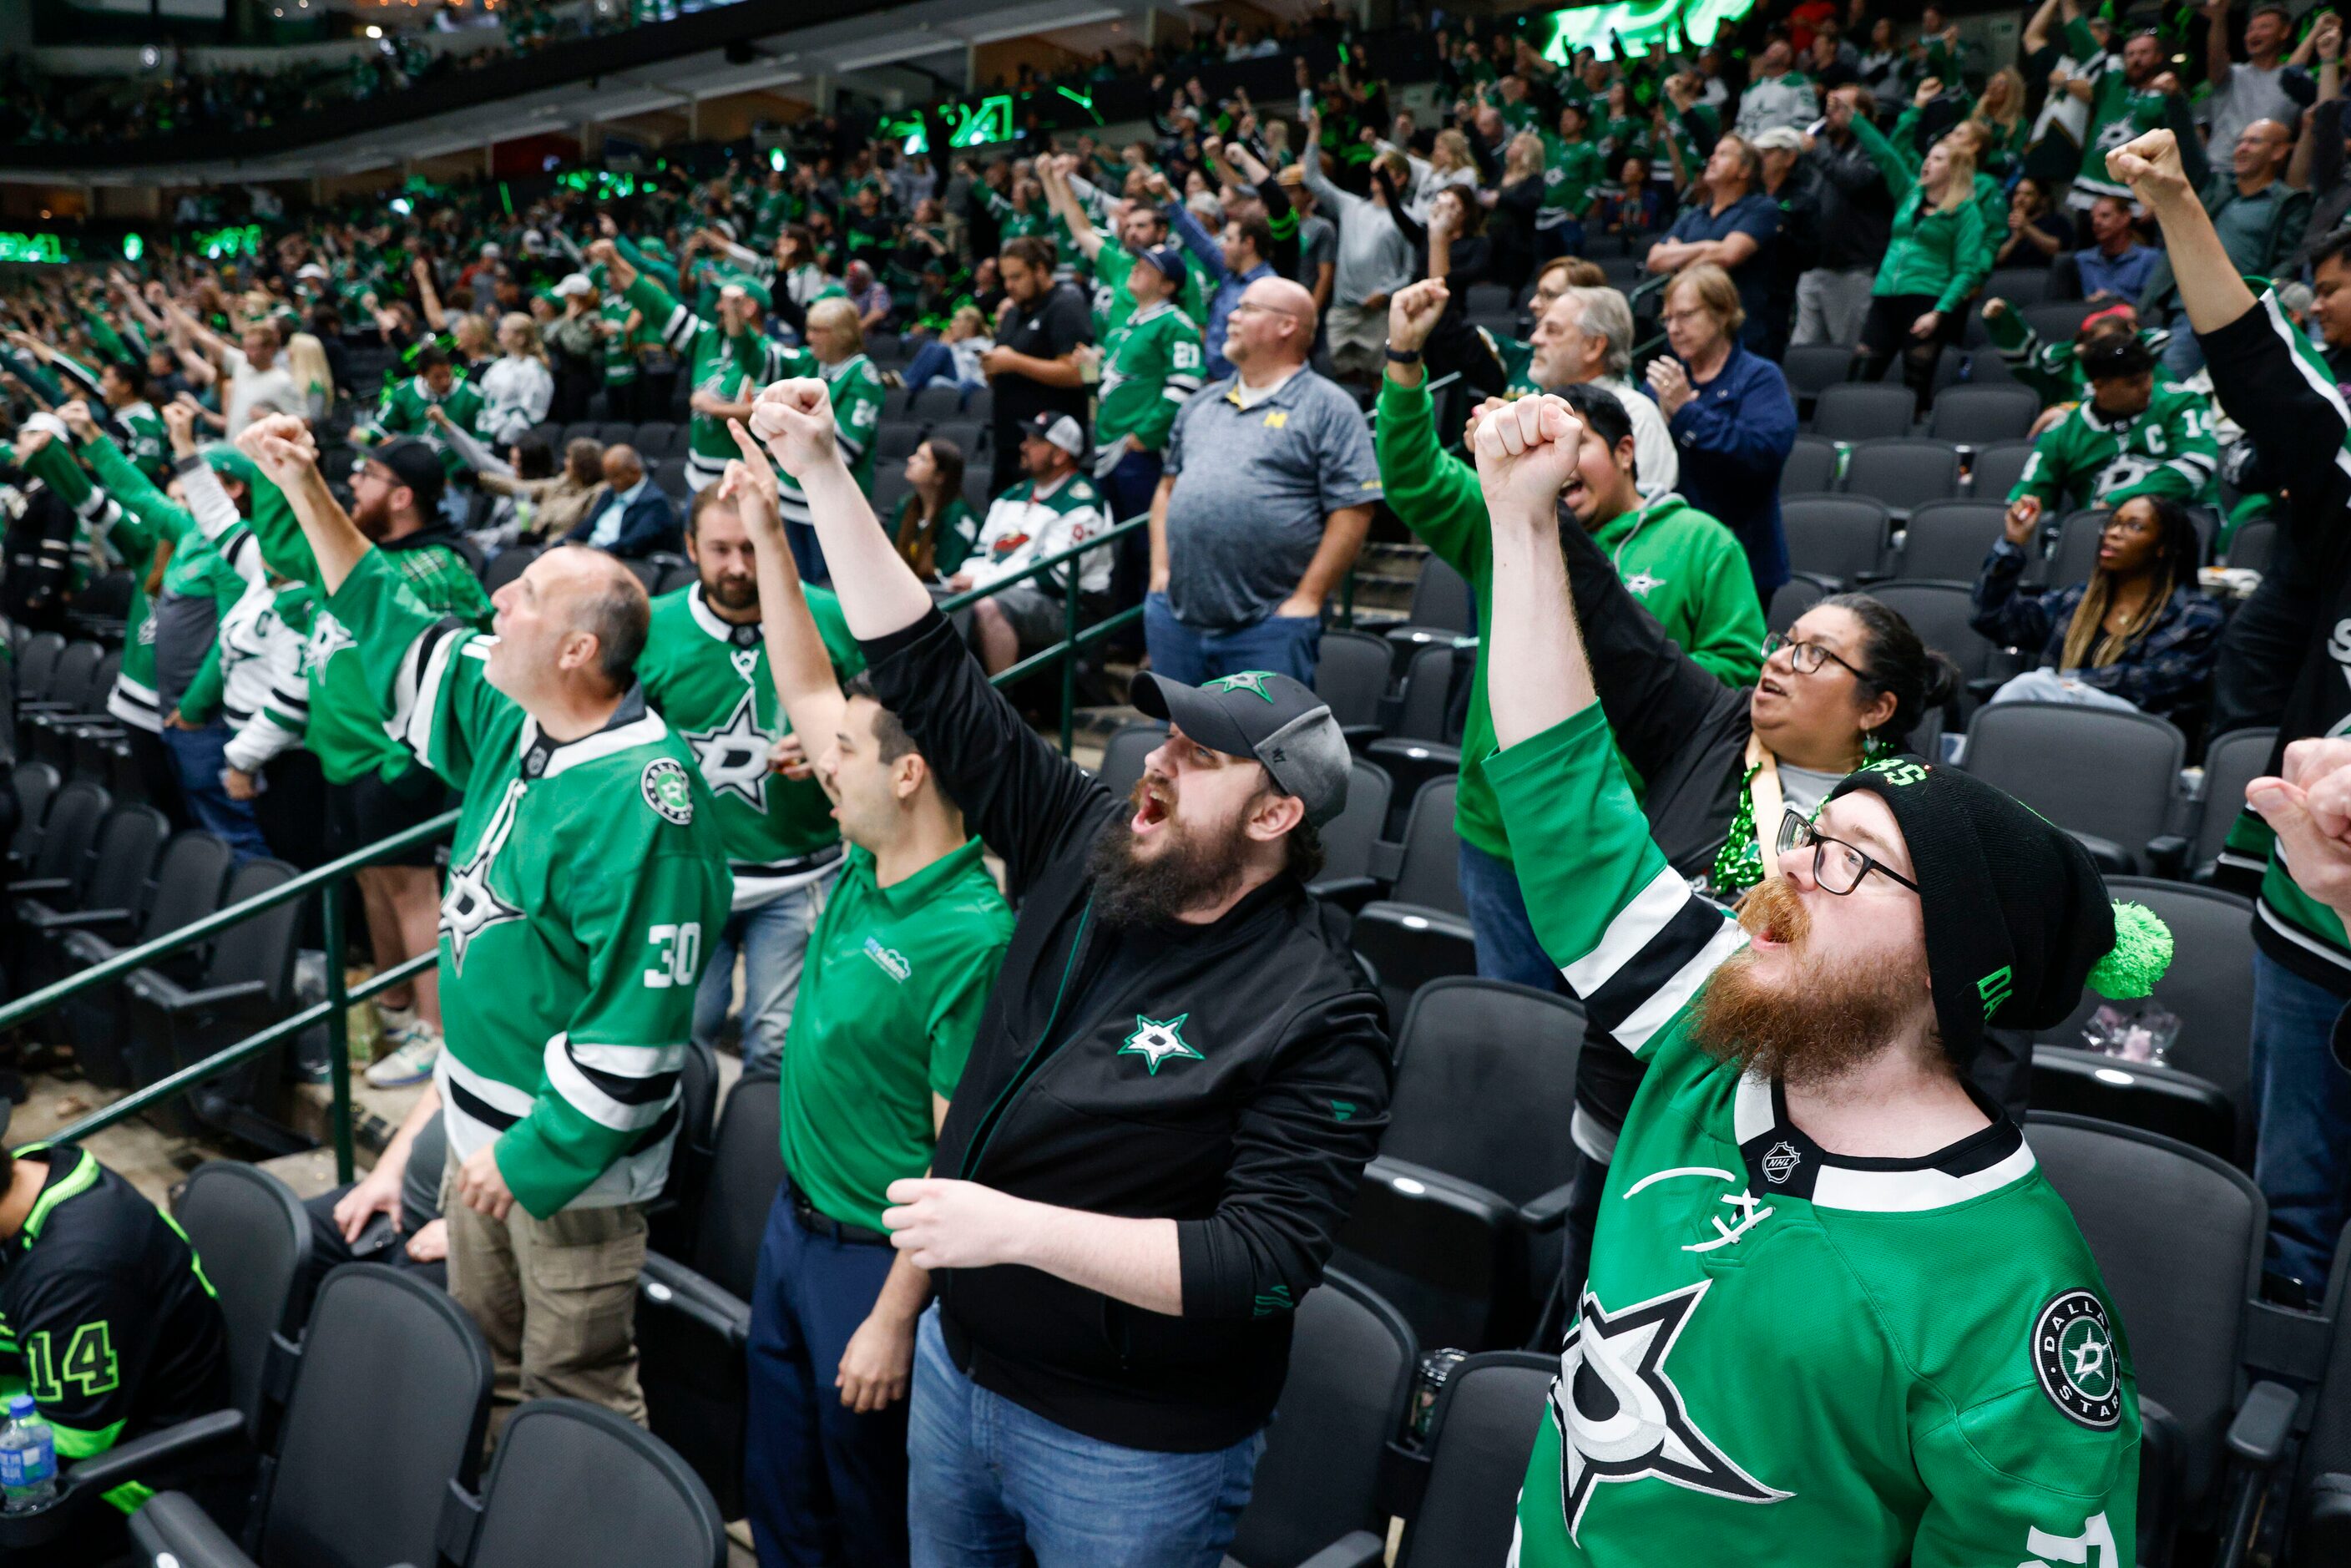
x=1836 y=1313
x=375 y=787
x=704 y=668
x=1164 y=1112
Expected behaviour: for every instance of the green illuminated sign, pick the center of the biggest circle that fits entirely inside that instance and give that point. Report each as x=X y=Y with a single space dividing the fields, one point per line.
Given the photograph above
x=222 y=243
x=1640 y=26
x=599 y=183
x=1084 y=101
x=133 y=248
x=40 y=249
x=979 y=124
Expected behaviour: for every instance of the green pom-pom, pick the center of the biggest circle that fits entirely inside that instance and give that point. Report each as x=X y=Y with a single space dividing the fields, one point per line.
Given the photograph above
x=2141 y=952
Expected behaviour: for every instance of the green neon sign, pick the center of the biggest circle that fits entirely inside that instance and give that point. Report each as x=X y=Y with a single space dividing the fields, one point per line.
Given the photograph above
x=37 y=249
x=1084 y=101
x=980 y=124
x=1640 y=24
x=599 y=183
x=220 y=244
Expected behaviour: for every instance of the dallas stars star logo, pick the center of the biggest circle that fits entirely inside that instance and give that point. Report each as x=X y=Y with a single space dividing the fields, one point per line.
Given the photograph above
x=734 y=756
x=1620 y=1417
x=472 y=906
x=1159 y=1039
x=327 y=638
x=1640 y=582
x=1250 y=680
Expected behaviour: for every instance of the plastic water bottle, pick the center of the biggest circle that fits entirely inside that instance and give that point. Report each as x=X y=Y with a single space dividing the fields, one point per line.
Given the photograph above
x=29 y=1459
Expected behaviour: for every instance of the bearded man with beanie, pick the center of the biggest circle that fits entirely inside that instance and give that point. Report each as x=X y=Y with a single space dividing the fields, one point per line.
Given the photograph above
x=1163 y=1113
x=1834 y=1312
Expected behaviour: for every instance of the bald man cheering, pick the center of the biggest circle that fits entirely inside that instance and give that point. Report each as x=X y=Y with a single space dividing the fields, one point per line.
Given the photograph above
x=1267 y=490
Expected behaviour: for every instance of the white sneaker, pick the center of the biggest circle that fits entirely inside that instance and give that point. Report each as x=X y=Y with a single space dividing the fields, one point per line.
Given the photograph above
x=411 y=1062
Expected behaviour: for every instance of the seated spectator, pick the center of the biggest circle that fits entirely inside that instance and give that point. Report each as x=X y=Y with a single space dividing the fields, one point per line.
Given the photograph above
x=403 y=1187
x=2114 y=265
x=2140 y=634
x=934 y=528
x=1636 y=205
x=954 y=355
x=1055 y=508
x=534 y=501
x=1268 y=492
x=2037 y=231
x=1731 y=416
x=870 y=295
x=2330 y=306
x=1731 y=228
x=117 y=1278
x=628 y=514
x=2129 y=437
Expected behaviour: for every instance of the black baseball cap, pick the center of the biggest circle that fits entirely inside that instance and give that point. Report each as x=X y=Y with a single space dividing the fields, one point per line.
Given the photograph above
x=414 y=465
x=1276 y=721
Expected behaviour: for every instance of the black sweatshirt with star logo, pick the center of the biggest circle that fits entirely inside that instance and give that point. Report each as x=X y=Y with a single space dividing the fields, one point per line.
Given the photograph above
x=1232 y=1077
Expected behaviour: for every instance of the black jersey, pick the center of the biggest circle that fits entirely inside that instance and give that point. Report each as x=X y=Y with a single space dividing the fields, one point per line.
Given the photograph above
x=106 y=1317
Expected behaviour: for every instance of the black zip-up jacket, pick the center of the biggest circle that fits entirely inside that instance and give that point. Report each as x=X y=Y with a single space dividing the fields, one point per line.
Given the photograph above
x=1232 y=1077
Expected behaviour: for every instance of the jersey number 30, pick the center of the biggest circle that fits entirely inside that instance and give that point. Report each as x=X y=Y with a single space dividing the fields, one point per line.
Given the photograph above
x=89 y=1364
x=679 y=960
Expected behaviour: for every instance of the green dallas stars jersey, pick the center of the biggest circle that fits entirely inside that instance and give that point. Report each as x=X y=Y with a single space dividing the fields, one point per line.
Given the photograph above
x=2087 y=460
x=402 y=412
x=1113 y=301
x=584 y=881
x=1517 y=360
x=2052 y=370
x=1152 y=366
x=857 y=393
x=733 y=367
x=709 y=680
x=1011 y=223
x=1782 y=1355
x=1571 y=171
x=621 y=345
x=150 y=445
x=2119 y=112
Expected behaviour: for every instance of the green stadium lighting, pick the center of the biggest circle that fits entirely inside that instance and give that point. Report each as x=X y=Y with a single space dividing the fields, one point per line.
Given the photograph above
x=1641 y=26
x=133 y=248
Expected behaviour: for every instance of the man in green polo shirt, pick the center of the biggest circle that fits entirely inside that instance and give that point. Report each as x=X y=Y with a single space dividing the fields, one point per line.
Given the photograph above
x=898 y=971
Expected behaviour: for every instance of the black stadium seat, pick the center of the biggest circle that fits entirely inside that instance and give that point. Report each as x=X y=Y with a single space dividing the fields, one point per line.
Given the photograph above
x=1810 y=468
x=1857 y=411
x=1421 y=932
x=1903 y=472
x=1842 y=538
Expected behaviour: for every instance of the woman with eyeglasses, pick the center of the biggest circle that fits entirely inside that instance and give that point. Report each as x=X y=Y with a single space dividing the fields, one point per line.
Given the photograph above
x=1723 y=767
x=2139 y=635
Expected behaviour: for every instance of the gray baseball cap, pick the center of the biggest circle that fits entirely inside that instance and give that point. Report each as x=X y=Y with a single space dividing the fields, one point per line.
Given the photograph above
x=1271 y=717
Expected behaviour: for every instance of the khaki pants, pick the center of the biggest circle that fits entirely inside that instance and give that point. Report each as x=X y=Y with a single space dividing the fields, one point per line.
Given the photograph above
x=556 y=1299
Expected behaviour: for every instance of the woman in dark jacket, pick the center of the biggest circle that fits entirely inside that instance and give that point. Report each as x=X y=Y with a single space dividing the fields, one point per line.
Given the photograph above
x=2139 y=635
x=1512 y=224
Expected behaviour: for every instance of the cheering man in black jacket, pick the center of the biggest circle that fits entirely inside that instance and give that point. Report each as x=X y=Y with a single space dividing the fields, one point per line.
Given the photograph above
x=1166 y=1111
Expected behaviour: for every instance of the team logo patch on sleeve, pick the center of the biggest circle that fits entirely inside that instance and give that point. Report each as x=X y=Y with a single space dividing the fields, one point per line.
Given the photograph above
x=2073 y=1352
x=668 y=790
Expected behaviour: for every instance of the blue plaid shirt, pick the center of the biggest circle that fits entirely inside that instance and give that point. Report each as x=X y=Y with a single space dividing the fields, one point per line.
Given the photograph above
x=2163 y=673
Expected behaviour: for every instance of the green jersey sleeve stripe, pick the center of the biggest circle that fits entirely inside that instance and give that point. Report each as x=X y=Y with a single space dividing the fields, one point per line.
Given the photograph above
x=1630 y=936
x=79 y=1443
x=424 y=676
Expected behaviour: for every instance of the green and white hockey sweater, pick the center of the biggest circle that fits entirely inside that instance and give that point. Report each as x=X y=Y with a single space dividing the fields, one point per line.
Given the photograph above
x=709 y=679
x=585 y=879
x=149 y=445
x=732 y=366
x=1151 y=365
x=1783 y=1355
x=2086 y=459
x=1027 y=523
x=402 y=412
x=857 y=393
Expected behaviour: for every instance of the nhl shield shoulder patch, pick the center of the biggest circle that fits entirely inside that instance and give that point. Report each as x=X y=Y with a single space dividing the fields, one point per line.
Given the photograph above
x=2074 y=1354
x=668 y=790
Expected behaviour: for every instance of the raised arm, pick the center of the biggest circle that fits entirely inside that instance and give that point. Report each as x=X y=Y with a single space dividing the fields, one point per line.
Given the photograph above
x=1630 y=936
x=1064 y=203
x=1028 y=802
x=797 y=660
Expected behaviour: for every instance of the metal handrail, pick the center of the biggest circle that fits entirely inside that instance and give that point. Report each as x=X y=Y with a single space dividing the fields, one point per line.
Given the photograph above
x=326 y=881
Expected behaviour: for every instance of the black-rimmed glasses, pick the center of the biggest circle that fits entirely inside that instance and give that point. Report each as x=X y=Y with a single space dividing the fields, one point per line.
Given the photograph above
x=1806 y=657
x=1841 y=872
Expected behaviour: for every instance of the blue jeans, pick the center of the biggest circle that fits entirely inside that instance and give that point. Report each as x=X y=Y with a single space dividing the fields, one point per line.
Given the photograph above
x=1285 y=645
x=934 y=361
x=823 y=1484
x=1507 y=946
x=986 y=1476
x=773 y=939
x=2302 y=1105
x=2183 y=356
x=1560 y=239
x=197 y=757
